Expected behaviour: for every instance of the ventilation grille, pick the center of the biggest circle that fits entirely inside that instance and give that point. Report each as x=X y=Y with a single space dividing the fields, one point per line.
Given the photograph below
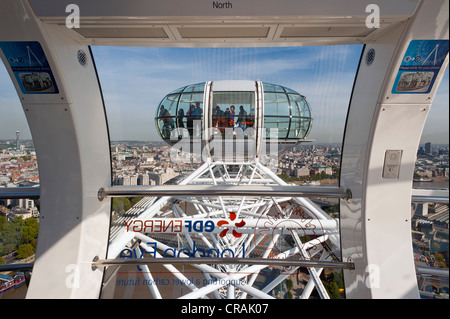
x=82 y=57
x=370 y=57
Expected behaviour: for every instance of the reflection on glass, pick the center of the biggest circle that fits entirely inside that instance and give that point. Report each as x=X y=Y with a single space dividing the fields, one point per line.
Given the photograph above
x=180 y=113
x=19 y=223
x=430 y=245
x=287 y=111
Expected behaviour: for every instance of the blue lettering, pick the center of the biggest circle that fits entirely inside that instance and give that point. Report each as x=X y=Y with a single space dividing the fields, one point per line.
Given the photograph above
x=209 y=226
x=214 y=250
x=188 y=225
x=172 y=252
x=195 y=251
x=198 y=226
x=232 y=252
x=168 y=249
x=129 y=255
x=154 y=249
x=188 y=251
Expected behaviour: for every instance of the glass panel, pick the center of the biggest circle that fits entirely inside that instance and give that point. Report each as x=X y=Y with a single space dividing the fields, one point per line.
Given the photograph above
x=190 y=111
x=282 y=124
x=276 y=104
x=279 y=88
x=180 y=115
x=304 y=108
x=19 y=218
x=233 y=109
x=309 y=163
x=294 y=100
x=430 y=244
x=429 y=226
x=267 y=87
x=166 y=115
x=295 y=128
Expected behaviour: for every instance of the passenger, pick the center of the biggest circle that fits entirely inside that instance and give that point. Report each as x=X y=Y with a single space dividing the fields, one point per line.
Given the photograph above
x=242 y=119
x=190 y=120
x=232 y=114
x=227 y=115
x=215 y=115
x=180 y=123
x=221 y=119
x=197 y=114
x=167 y=119
x=180 y=118
x=250 y=120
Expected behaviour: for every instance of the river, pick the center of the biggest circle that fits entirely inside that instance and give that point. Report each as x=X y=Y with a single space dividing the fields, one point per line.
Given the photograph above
x=431 y=185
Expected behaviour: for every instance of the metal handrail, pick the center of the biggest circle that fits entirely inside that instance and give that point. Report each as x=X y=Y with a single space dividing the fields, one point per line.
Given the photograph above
x=418 y=195
x=223 y=190
x=438 y=196
x=17 y=267
x=19 y=192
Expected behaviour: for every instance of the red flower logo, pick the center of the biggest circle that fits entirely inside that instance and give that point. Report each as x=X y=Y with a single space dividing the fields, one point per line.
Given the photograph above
x=224 y=222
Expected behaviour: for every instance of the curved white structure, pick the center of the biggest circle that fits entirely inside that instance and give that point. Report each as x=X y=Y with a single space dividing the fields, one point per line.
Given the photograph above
x=67 y=119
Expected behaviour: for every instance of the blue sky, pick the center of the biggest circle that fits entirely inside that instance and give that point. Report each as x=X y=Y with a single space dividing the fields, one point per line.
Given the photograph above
x=135 y=79
x=151 y=73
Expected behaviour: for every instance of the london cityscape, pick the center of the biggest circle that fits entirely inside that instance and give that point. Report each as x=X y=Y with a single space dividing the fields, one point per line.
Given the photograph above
x=148 y=163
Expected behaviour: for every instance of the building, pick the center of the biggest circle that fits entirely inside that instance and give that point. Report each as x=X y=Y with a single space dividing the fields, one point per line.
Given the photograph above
x=428 y=148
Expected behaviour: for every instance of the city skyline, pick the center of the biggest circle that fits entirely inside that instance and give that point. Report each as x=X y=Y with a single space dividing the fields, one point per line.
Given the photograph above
x=134 y=80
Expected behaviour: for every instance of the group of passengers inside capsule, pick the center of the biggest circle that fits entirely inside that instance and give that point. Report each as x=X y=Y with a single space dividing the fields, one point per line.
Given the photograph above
x=223 y=119
x=220 y=119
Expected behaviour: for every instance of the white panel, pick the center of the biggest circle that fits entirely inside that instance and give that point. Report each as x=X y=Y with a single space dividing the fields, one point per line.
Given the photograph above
x=227 y=23
x=139 y=8
x=375 y=223
x=71 y=140
x=388 y=201
x=236 y=85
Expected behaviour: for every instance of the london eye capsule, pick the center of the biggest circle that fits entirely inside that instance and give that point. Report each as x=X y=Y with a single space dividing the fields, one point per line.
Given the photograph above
x=231 y=111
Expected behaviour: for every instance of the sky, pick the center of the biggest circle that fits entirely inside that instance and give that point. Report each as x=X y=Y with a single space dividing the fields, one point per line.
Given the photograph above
x=135 y=79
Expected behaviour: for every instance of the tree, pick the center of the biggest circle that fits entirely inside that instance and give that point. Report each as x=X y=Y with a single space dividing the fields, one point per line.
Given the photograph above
x=11 y=234
x=30 y=230
x=333 y=290
x=16 y=233
x=289 y=284
x=24 y=251
x=121 y=204
x=135 y=200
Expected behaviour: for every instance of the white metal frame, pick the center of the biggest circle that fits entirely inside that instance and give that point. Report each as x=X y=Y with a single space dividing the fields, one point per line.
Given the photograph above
x=248 y=208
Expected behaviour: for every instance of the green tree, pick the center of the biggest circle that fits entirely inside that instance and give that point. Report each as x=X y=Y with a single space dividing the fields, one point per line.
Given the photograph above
x=289 y=284
x=11 y=234
x=332 y=289
x=24 y=251
x=30 y=230
x=121 y=204
x=135 y=200
x=18 y=232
